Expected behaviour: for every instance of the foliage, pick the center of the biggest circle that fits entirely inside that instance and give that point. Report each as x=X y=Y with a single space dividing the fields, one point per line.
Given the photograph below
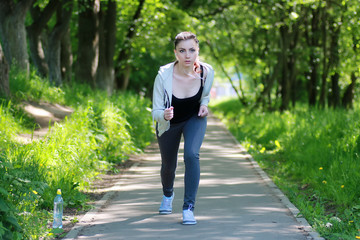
x=101 y=132
x=286 y=50
x=153 y=46
x=312 y=155
x=30 y=87
x=9 y=226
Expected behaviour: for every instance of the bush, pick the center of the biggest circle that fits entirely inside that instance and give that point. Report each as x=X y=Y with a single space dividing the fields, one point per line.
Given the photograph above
x=101 y=132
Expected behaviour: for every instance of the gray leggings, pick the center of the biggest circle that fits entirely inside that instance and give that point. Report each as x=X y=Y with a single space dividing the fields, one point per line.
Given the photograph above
x=194 y=132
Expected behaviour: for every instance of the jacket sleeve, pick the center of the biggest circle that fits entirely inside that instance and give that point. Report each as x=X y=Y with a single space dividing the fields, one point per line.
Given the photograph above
x=208 y=84
x=158 y=105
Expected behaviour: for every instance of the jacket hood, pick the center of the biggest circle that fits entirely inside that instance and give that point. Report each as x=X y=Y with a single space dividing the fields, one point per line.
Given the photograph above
x=164 y=71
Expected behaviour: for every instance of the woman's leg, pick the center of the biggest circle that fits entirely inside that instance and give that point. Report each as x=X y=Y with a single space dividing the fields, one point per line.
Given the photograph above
x=169 y=145
x=194 y=132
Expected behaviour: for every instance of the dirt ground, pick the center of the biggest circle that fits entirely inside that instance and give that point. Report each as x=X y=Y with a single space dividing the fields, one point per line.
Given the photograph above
x=44 y=114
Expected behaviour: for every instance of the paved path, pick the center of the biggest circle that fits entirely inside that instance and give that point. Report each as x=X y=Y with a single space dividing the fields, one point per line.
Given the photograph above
x=236 y=200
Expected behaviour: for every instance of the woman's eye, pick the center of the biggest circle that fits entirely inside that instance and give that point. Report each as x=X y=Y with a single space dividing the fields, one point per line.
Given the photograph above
x=192 y=50
x=181 y=51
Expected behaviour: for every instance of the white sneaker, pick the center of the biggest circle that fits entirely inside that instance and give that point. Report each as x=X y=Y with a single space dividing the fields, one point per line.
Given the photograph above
x=188 y=217
x=166 y=205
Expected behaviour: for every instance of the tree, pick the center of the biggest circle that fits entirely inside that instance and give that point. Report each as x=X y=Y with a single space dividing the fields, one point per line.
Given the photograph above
x=347 y=100
x=40 y=20
x=325 y=61
x=60 y=29
x=66 y=57
x=105 y=76
x=353 y=40
x=312 y=35
x=334 y=97
x=88 y=45
x=287 y=50
x=4 y=75
x=123 y=68
x=13 y=31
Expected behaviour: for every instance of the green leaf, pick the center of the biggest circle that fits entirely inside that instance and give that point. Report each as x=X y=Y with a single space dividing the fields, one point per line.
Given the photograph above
x=3 y=206
x=3 y=191
x=57 y=230
x=2 y=229
x=13 y=221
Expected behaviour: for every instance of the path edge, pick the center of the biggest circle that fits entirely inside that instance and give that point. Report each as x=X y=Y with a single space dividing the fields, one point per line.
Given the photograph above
x=89 y=216
x=313 y=235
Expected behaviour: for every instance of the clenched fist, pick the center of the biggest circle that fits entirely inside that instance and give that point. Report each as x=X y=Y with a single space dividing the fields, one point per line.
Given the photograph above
x=169 y=113
x=203 y=111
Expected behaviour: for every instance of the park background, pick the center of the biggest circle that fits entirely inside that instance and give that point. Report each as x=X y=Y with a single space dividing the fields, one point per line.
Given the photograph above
x=293 y=68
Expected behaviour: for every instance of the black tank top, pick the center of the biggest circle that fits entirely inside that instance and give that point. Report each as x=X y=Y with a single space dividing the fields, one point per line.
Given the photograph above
x=185 y=108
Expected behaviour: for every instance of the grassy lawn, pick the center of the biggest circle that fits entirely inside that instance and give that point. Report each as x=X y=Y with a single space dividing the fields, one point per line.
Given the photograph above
x=312 y=155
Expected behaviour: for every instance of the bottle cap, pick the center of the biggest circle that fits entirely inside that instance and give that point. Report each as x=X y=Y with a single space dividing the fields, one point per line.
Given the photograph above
x=58 y=192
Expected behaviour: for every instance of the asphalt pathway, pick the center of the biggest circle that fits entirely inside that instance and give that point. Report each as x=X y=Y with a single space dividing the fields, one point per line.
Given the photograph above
x=236 y=200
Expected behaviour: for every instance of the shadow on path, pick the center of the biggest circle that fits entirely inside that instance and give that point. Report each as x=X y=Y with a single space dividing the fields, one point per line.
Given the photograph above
x=233 y=202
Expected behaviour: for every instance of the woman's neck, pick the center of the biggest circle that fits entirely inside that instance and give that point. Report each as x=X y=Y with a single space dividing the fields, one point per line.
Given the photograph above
x=184 y=70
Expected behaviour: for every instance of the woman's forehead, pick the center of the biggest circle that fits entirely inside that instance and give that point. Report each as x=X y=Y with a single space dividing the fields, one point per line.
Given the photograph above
x=189 y=43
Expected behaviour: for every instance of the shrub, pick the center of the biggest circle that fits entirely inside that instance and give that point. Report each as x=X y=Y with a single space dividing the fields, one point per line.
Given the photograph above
x=101 y=132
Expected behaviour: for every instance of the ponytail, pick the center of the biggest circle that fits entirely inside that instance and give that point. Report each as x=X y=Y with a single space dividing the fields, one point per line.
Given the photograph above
x=197 y=67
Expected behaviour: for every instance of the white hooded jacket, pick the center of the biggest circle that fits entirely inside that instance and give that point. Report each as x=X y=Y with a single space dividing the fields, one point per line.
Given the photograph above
x=162 y=93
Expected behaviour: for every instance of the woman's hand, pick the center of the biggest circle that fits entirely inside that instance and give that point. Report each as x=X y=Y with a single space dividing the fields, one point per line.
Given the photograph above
x=169 y=113
x=203 y=111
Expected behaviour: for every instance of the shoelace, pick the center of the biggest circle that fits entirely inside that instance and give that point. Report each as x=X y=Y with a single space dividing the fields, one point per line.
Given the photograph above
x=190 y=207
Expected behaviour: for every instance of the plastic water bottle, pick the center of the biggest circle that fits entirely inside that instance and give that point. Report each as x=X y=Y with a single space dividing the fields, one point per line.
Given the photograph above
x=58 y=210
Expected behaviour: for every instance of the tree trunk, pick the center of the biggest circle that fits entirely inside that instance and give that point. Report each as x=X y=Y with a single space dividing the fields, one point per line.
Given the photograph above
x=334 y=98
x=66 y=57
x=61 y=27
x=268 y=84
x=285 y=80
x=13 y=32
x=40 y=20
x=123 y=70
x=105 y=76
x=314 y=43
x=88 y=47
x=292 y=58
x=348 y=98
x=325 y=62
x=4 y=75
x=293 y=71
x=313 y=80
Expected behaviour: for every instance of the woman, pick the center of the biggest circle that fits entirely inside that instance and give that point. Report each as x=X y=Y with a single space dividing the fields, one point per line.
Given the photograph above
x=180 y=98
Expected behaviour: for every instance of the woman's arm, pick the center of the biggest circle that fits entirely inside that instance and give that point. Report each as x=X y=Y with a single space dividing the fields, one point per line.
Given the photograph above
x=208 y=83
x=158 y=100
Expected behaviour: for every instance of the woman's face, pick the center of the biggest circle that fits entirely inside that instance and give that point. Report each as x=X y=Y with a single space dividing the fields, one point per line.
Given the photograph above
x=186 y=52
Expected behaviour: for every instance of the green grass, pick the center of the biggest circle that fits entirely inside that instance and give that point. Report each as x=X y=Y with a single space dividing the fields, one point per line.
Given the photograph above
x=101 y=132
x=312 y=155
